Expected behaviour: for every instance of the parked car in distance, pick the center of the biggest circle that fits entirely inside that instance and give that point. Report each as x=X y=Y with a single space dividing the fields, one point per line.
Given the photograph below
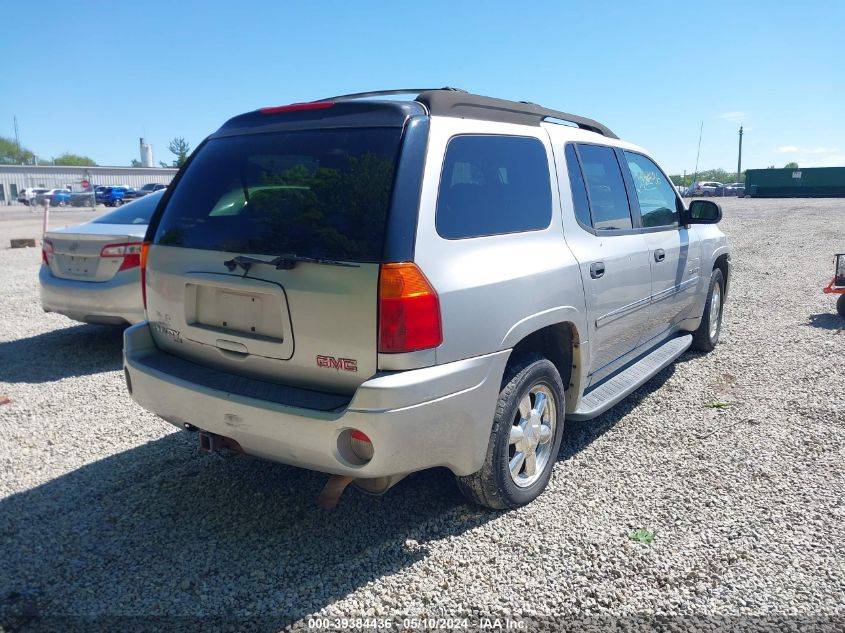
x=27 y=196
x=112 y=196
x=91 y=272
x=735 y=189
x=707 y=188
x=58 y=197
x=309 y=303
x=149 y=188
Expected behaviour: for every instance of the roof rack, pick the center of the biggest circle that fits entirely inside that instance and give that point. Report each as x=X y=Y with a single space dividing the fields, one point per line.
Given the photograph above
x=448 y=101
x=460 y=104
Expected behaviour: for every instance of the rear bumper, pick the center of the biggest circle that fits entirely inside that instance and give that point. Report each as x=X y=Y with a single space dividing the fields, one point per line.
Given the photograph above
x=416 y=419
x=115 y=301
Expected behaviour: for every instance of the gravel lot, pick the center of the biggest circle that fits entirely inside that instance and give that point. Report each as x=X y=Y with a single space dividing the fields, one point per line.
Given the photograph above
x=107 y=511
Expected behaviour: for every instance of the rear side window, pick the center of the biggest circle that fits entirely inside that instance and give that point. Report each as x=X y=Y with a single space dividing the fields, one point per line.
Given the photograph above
x=316 y=193
x=492 y=185
x=608 y=198
x=579 y=190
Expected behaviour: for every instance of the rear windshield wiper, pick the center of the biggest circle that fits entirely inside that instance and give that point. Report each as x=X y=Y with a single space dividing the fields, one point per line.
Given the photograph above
x=282 y=262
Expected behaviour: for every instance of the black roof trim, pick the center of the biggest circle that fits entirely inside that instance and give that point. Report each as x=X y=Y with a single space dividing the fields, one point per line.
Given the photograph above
x=452 y=102
x=455 y=102
x=470 y=106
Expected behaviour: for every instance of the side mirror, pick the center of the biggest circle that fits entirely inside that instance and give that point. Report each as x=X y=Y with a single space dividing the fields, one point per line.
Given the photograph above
x=703 y=212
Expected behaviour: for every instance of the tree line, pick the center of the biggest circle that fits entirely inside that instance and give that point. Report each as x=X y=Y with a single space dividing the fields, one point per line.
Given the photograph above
x=12 y=153
x=717 y=175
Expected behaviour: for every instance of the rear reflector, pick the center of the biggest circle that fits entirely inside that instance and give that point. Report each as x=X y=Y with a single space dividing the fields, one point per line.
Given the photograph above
x=294 y=107
x=361 y=445
x=409 y=310
x=130 y=252
x=145 y=249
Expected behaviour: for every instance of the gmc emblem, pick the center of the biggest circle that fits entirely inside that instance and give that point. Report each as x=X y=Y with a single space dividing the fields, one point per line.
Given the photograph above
x=344 y=364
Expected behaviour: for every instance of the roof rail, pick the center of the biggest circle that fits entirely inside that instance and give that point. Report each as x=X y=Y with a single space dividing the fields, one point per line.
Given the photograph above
x=460 y=104
x=387 y=93
x=455 y=102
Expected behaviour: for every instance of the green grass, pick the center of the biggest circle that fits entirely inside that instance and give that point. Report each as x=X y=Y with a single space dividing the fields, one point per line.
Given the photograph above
x=642 y=536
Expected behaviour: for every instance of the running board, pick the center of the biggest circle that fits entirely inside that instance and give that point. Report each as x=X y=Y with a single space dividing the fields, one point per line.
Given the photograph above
x=600 y=399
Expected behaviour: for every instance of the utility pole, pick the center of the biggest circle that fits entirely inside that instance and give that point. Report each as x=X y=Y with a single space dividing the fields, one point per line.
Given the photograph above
x=17 y=135
x=739 y=160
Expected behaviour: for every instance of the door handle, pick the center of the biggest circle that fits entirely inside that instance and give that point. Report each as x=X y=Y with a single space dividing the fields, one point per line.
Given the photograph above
x=597 y=270
x=659 y=255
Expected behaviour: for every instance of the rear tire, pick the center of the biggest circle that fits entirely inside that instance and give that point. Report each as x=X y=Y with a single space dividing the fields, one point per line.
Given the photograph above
x=706 y=337
x=117 y=202
x=525 y=438
x=840 y=306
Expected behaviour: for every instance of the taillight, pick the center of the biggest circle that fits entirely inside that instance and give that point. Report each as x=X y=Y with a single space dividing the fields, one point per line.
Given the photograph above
x=409 y=310
x=46 y=249
x=294 y=107
x=130 y=252
x=145 y=249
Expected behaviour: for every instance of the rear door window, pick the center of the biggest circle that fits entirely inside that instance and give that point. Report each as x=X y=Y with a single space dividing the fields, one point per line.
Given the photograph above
x=314 y=193
x=491 y=185
x=606 y=188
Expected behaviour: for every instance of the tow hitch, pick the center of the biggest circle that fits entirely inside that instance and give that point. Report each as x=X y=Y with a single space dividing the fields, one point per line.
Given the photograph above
x=212 y=443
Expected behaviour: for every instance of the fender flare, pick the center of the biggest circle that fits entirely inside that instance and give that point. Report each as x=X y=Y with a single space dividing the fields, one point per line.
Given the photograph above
x=580 y=353
x=539 y=320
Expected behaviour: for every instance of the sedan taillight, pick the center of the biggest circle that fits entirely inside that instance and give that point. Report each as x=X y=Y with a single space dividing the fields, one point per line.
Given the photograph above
x=130 y=252
x=46 y=249
x=145 y=250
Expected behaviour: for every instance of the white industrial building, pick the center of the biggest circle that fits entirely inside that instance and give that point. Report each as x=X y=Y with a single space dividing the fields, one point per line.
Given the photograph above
x=13 y=178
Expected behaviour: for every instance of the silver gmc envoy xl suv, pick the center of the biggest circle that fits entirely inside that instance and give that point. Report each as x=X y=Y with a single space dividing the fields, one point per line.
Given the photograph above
x=369 y=286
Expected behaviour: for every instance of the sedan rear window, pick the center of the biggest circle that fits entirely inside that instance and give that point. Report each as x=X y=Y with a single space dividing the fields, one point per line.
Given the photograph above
x=138 y=212
x=314 y=193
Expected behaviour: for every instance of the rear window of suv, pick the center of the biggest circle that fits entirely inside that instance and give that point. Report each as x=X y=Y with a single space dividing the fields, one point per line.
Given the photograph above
x=315 y=193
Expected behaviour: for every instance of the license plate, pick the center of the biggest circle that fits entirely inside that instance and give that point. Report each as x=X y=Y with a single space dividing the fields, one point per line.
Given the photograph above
x=78 y=266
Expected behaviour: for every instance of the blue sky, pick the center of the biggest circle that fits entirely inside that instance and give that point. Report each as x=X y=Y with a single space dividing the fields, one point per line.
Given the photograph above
x=92 y=77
